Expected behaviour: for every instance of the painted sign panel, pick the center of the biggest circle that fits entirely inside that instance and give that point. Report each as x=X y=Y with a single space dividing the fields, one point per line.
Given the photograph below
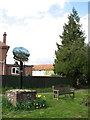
x=21 y=53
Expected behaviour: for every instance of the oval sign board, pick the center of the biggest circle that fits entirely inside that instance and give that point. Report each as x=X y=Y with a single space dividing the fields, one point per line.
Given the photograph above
x=21 y=53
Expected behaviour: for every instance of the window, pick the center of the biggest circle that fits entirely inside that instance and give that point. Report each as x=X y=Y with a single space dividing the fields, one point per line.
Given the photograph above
x=15 y=70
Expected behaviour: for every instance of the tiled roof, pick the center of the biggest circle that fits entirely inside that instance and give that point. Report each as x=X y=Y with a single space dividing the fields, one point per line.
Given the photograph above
x=18 y=65
x=3 y=44
x=43 y=67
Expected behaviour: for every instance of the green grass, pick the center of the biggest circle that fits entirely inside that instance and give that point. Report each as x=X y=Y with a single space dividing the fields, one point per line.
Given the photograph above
x=39 y=90
x=63 y=108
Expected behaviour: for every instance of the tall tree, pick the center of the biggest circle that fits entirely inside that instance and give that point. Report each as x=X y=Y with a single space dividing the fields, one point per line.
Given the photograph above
x=72 y=31
x=71 y=57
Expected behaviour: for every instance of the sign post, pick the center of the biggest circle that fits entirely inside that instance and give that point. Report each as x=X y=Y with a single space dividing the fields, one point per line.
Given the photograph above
x=21 y=54
x=21 y=72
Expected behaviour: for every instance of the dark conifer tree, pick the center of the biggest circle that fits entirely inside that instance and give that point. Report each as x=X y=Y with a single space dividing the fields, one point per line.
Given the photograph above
x=71 y=57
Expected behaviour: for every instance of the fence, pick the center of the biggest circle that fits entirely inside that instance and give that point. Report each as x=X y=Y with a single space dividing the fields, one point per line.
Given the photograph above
x=33 y=81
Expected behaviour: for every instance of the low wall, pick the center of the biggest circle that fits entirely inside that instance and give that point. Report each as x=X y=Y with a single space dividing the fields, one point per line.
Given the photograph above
x=20 y=95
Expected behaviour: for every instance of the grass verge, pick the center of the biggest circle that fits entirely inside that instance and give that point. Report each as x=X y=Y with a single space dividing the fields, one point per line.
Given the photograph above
x=63 y=108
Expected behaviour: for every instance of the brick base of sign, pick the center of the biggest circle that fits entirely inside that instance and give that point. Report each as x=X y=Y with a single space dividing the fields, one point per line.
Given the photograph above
x=20 y=95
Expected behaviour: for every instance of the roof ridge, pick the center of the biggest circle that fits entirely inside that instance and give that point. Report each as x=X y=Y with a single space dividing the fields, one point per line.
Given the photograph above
x=3 y=44
x=46 y=64
x=43 y=67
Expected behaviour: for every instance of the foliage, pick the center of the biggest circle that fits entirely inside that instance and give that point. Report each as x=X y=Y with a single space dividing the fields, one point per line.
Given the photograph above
x=6 y=88
x=48 y=72
x=39 y=102
x=72 y=56
x=7 y=105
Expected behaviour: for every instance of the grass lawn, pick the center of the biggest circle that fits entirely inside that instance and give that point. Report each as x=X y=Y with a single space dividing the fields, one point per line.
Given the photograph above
x=64 y=108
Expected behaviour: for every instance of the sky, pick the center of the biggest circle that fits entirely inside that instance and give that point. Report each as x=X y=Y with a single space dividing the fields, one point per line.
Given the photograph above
x=37 y=24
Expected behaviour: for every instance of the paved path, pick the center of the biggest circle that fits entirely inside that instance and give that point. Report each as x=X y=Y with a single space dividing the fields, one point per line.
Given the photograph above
x=78 y=90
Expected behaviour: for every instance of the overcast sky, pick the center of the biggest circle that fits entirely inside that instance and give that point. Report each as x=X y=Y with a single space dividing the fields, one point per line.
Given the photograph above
x=37 y=24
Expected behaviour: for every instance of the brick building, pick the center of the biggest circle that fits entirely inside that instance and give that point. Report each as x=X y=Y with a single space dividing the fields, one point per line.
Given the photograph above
x=3 y=55
x=10 y=69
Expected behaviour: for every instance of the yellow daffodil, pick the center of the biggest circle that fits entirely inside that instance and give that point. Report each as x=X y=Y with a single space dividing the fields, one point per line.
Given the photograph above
x=43 y=104
x=39 y=96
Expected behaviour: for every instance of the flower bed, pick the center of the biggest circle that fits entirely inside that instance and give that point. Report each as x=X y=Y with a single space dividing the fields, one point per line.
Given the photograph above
x=39 y=102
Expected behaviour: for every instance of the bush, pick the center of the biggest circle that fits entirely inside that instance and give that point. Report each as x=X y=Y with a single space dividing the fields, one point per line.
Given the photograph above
x=39 y=102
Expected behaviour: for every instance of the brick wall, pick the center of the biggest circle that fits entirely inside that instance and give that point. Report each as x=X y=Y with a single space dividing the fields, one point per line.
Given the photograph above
x=9 y=69
x=26 y=70
x=3 y=55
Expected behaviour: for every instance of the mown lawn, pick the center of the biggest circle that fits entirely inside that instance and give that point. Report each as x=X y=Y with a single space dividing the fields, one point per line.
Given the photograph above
x=64 y=108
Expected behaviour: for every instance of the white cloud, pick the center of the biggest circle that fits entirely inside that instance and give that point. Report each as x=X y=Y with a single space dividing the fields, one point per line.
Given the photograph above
x=24 y=8
x=84 y=22
x=79 y=0
x=38 y=35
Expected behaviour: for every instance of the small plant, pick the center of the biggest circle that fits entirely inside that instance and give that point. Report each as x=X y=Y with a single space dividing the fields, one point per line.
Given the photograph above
x=86 y=101
x=25 y=105
x=39 y=102
x=7 y=104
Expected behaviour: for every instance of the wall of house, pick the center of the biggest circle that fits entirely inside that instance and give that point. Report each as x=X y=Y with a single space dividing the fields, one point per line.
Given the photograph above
x=42 y=73
x=26 y=70
x=1 y=62
x=9 y=70
x=3 y=55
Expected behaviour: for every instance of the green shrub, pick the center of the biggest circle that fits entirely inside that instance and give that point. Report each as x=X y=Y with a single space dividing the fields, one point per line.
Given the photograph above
x=39 y=102
x=6 y=104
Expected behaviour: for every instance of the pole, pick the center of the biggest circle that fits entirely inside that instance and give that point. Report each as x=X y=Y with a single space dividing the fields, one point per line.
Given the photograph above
x=21 y=71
